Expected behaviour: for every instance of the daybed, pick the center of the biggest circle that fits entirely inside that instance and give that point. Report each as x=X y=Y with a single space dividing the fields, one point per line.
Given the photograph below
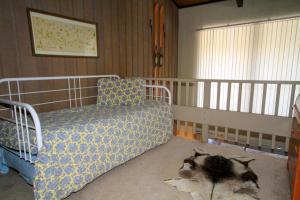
x=60 y=151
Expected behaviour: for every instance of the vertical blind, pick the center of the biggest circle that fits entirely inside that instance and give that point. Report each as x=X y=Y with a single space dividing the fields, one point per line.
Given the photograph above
x=255 y=51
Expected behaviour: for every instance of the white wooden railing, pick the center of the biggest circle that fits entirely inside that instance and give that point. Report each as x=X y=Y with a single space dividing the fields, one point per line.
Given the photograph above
x=248 y=112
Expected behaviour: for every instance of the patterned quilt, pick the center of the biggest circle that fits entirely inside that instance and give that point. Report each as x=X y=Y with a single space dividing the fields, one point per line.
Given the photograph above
x=81 y=144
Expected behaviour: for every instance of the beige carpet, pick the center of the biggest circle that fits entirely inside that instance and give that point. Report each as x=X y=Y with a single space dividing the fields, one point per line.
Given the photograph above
x=142 y=178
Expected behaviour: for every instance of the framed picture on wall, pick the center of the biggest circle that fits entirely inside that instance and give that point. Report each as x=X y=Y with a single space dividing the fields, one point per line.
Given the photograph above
x=56 y=35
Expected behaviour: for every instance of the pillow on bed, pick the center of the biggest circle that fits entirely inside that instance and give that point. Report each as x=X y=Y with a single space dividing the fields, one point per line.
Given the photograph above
x=121 y=92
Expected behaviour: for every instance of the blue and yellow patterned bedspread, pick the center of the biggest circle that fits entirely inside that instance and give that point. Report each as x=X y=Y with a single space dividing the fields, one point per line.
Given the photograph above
x=81 y=144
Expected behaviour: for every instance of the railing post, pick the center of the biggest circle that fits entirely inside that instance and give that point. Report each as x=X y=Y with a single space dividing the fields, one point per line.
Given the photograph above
x=248 y=138
x=236 y=136
x=205 y=129
x=240 y=96
x=251 y=97
x=193 y=94
x=185 y=127
x=178 y=126
x=206 y=104
x=178 y=92
x=194 y=128
x=196 y=94
x=273 y=142
x=287 y=143
x=278 y=89
x=260 y=138
x=218 y=95
x=226 y=134
x=187 y=93
x=228 y=96
x=171 y=90
x=216 y=132
x=206 y=95
x=292 y=100
x=263 y=103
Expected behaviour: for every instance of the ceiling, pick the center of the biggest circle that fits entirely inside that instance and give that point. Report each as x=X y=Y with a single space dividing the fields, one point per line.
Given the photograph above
x=190 y=3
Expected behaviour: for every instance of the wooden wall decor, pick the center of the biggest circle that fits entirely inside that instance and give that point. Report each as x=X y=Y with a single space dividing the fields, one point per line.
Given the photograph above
x=155 y=35
x=158 y=35
x=57 y=35
x=161 y=35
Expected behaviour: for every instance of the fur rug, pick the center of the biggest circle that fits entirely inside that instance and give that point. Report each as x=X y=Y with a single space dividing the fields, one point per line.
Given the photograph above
x=226 y=183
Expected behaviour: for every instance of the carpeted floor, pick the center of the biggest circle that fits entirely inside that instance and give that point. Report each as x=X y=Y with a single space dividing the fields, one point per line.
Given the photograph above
x=142 y=178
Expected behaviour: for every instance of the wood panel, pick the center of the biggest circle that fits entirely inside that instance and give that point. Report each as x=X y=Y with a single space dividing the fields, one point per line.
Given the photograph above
x=125 y=40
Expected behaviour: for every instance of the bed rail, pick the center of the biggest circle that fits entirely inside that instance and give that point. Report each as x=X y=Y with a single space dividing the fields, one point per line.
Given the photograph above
x=20 y=115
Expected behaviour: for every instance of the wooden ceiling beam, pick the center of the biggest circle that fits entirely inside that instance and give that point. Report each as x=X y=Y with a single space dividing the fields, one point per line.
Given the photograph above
x=195 y=4
x=175 y=2
x=240 y=3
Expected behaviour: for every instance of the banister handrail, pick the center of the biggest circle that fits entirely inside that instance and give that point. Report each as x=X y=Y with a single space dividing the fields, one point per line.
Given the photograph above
x=223 y=80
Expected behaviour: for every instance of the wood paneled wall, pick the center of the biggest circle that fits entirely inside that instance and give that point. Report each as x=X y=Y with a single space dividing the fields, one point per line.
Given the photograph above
x=124 y=38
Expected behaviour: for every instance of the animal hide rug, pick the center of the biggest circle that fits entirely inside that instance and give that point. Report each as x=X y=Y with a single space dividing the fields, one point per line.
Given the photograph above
x=208 y=177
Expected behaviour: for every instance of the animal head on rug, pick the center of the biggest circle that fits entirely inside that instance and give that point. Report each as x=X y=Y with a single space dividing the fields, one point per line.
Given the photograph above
x=207 y=176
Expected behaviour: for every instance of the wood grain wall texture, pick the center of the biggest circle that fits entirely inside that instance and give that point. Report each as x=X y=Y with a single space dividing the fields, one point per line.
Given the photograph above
x=125 y=43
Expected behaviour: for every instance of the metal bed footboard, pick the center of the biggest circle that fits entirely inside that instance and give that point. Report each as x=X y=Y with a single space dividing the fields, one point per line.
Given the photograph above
x=20 y=112
x=158 y=92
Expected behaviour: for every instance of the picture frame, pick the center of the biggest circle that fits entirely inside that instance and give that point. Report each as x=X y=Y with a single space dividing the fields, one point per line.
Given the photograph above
x=57 y=35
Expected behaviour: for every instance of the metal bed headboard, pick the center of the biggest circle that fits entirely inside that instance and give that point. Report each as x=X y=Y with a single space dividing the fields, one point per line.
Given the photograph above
x=76 y=88
x=21 y=110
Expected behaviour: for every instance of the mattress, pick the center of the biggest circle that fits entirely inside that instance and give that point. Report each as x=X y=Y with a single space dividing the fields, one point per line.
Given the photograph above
x=68 y=119
x=81 y=144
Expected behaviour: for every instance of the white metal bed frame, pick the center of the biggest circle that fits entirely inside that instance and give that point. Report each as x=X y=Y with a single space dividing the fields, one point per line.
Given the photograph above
x=20 y=110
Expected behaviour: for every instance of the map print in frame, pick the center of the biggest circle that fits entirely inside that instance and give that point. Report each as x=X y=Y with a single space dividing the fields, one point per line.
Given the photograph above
x=55 y=35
